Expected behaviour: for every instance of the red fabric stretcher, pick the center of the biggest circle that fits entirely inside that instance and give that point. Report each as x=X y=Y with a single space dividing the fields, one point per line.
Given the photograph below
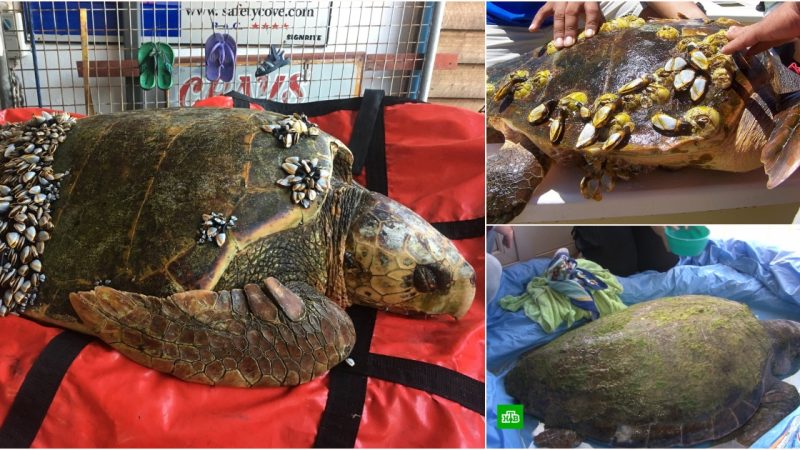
x=433 y=164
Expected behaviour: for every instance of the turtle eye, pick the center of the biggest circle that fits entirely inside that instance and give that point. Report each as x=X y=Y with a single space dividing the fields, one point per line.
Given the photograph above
x=431 y=277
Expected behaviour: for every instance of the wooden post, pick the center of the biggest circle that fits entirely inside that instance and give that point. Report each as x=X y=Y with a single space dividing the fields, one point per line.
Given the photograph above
x=87 y=93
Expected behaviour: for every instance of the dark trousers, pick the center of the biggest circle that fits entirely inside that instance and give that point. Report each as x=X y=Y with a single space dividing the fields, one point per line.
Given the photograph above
x=624 y=251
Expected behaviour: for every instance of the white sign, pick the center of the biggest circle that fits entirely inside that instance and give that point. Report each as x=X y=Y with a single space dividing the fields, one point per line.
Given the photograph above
x=315 y=81
x=296 y=24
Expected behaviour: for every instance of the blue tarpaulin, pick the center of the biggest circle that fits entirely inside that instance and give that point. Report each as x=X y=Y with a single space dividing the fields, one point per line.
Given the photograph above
x=765 y=278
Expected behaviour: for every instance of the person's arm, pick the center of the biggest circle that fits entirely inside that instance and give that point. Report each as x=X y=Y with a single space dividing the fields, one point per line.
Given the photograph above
x=779 y=27
x=675 y=10
x=566 y=16
x=508 y=234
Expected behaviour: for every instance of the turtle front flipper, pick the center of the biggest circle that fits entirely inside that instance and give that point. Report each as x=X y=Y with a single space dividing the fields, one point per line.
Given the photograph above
x=777 y=403
x=781 y=153
x=278 y=336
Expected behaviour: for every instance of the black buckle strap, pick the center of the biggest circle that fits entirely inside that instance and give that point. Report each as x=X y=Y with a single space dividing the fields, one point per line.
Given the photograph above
x=364 y=131
x=348 y=385
x=31 y=403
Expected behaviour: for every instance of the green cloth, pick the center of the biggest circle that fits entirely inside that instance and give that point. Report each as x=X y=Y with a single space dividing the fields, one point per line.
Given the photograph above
x=550 y=309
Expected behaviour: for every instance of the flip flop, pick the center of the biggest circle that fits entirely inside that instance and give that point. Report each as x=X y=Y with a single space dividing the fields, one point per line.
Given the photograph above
x=229 y=62
x=147 y=65
x=220 y=57
x=165 y=60
x=274 y=61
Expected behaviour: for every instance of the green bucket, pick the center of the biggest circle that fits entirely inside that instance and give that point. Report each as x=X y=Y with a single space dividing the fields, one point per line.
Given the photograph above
x=687 y=241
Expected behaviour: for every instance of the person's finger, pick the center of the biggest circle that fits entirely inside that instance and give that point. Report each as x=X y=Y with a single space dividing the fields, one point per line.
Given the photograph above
x=734 y=31
x=572 y=13
x=593 y=18
x=746 y=38
x=558 y=24
x=543 y=13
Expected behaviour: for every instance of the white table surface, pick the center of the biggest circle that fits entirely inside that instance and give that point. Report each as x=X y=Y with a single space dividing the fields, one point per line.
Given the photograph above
x=558 y=198
x=743 y=11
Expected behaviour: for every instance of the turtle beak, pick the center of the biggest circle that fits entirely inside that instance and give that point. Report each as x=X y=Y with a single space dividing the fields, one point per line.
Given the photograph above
x=462 y=292
x=396 y=261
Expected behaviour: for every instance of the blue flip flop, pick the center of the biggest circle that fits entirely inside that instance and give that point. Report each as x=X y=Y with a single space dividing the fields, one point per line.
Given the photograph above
x=220 y=57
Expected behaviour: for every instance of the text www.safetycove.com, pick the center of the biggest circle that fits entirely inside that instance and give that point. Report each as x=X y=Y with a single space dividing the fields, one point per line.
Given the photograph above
x=252 y=13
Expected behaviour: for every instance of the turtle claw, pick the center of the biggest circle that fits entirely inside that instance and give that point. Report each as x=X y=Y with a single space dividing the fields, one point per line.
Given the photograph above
x=242 y=337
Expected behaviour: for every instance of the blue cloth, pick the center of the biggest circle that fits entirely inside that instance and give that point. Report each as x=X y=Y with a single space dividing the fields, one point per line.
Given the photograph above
x=767 y=279
x=782 y=435
x=514 y=14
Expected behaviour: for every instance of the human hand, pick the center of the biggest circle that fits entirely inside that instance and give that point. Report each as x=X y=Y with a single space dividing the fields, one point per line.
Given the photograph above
x=779 y=27
x=508 y=235
x=565 y=20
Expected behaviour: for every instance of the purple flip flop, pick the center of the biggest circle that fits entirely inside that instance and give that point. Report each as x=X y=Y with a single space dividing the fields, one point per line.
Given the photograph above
x=220 y=57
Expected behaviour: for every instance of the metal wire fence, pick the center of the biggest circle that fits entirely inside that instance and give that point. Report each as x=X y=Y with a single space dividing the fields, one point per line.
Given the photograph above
x=335 y=50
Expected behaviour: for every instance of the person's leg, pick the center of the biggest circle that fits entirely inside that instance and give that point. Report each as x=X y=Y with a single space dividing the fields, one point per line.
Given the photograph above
x=615 y=10
x=504 y=43
x=494 y=274
x=651 y=253
x=612 y=247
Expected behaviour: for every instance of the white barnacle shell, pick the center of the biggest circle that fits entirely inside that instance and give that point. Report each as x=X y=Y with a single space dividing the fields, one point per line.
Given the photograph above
x=587 y=136
x=698 y=88
x=289 y=168
x=676 y=63
x=13 y=239
x=220 y=239
x=664 y=122
x=699 y=60
x=285 y=182
x=684 y=79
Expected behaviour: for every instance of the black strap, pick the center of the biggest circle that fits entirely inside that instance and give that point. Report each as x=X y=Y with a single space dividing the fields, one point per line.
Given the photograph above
x=364 y=128
x=31 y=403
x=438 y=380
x=375 y=162
x=312 y=109
x=347 y=389
x=462 y=229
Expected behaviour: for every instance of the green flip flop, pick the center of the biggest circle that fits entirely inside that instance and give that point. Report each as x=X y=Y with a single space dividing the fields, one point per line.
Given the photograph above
x=166 y=58
x=147 y=65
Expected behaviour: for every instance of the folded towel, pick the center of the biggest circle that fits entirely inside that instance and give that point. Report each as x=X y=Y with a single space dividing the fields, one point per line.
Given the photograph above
x=570 y=290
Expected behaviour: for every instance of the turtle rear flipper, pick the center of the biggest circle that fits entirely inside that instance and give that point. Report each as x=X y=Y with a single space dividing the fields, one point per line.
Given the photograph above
x=776 y=404
x=781 y=153
x=243 y=337
x=557 y=438
x=511 y=177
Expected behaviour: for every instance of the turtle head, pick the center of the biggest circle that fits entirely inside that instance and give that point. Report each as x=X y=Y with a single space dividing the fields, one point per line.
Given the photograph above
x=785 y=335
x=395 y=260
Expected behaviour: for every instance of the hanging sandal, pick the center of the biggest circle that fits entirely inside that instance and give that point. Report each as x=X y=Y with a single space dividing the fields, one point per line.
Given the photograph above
x=147 y=65
x=220 y=57
x=164 y=66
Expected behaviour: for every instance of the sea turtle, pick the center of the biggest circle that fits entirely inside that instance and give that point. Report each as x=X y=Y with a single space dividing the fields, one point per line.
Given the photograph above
x=641 y=94
x=217 y=245
x=669 y=372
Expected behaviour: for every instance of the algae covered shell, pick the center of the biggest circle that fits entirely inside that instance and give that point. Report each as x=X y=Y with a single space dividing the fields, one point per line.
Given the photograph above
x=673 y=371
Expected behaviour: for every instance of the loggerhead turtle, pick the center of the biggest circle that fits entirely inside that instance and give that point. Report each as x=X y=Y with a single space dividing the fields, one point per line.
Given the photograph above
x=216 y=245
